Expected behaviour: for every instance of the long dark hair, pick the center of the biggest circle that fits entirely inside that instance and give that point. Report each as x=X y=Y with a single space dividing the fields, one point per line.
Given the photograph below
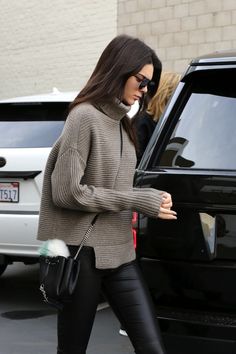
x=123 y=57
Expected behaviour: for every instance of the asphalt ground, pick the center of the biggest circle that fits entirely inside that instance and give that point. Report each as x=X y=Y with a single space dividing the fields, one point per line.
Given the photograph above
x=28 y=326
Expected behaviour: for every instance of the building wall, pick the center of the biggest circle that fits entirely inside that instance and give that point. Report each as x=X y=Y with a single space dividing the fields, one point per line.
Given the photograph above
x=180 y=30
x=56 y=43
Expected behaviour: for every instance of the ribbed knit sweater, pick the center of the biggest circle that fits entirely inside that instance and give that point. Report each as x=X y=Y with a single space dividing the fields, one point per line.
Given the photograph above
x=90 y=170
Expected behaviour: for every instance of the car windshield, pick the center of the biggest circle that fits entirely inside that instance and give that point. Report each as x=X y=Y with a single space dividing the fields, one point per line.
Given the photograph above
x=31 y=125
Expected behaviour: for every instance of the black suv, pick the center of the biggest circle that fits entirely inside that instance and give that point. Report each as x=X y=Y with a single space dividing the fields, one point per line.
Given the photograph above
x=190 y=263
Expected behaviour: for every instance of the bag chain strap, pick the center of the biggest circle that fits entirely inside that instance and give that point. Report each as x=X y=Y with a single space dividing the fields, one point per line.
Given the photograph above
x=86 y=236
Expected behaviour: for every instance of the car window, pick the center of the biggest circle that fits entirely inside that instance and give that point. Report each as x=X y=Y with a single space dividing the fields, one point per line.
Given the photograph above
x=31 y=125
x=204 y=135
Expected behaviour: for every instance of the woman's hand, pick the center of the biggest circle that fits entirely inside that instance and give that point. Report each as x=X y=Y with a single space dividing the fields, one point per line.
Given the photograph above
x=165 y=211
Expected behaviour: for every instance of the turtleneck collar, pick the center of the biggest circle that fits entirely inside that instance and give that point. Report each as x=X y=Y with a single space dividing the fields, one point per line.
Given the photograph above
x=115 y=110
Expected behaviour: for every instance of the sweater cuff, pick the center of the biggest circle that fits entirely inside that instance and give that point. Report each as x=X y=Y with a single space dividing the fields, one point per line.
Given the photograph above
x=147 y=201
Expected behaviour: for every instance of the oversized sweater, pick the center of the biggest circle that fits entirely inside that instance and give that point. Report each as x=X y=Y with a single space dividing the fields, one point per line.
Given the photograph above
x=90 y=170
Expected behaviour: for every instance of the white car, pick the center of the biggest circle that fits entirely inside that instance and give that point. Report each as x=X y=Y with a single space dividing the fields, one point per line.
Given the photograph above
x=28 y=126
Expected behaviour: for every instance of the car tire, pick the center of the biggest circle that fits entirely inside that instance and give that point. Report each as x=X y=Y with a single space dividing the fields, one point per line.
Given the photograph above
x=2 y=268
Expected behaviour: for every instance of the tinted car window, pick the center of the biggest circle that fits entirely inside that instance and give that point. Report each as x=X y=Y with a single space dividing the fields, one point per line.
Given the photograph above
x=204 y=135
x=31 y=125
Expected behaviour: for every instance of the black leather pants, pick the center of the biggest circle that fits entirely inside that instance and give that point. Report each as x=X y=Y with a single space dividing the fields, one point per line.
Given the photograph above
x=126 y=294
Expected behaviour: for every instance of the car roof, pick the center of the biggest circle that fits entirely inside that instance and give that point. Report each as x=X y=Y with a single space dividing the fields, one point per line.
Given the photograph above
x=218 y=57
x=57 y=96
x=54 y=96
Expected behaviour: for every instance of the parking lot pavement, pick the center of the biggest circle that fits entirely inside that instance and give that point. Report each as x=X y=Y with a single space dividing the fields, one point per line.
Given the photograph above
x=28 y=326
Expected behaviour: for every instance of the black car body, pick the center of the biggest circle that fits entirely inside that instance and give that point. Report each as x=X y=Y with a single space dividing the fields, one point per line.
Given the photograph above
x=190 y=264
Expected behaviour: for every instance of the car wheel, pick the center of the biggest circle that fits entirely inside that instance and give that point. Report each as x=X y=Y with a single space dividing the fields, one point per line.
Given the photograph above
x=2 y=268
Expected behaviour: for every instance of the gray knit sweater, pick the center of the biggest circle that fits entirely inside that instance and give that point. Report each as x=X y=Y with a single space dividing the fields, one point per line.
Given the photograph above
x=90 y=170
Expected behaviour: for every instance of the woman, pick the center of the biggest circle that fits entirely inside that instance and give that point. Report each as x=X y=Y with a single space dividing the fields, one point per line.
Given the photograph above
x=145 y=122
x=90 y=171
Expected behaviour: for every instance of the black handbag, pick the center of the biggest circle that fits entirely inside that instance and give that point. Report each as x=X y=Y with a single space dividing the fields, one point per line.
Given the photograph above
x=59 y=275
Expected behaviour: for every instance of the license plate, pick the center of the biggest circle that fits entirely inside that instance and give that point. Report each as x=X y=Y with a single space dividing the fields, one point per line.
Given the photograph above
x=9 y=192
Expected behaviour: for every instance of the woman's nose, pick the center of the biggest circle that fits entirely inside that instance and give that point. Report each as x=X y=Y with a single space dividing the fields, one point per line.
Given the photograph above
x=144 y=89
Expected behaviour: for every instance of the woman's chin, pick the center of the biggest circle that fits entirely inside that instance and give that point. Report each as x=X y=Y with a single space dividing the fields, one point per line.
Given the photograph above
x=131 y=101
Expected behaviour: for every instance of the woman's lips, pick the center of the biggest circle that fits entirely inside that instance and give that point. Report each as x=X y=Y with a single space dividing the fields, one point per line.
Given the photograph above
x=137 y=97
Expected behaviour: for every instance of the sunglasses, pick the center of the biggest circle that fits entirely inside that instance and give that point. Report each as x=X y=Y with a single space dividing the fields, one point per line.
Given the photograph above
x=144 y=82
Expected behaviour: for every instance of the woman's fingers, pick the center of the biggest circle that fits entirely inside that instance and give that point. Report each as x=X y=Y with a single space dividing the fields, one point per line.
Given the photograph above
x=166 y=216
x=166 y=213
x=166 y=205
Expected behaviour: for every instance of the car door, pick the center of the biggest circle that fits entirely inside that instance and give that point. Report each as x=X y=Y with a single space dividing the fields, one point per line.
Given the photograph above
x=192 y=261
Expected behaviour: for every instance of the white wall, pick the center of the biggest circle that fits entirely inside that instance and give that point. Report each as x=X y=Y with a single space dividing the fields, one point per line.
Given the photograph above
x=51 y=43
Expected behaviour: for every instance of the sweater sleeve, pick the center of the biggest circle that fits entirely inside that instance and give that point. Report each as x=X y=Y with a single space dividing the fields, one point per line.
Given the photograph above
x=69 y=192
